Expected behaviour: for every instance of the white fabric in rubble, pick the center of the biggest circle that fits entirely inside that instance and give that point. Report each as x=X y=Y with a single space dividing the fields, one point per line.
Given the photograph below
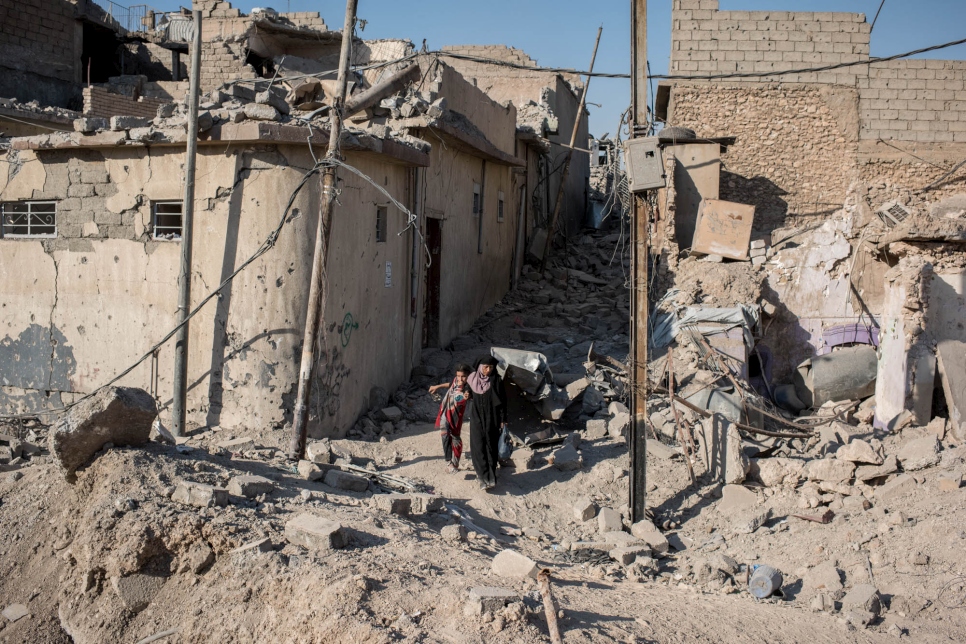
x=668 y=325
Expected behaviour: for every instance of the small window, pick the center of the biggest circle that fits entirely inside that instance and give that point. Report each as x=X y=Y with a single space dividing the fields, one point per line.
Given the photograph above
x=168 y=220
x=382 y=215
x=499 y=207
x=476 y=198
x=29 y=219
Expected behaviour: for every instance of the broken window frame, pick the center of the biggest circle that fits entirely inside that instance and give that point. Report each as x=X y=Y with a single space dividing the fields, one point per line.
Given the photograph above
x=382 y=224
x=43 y=219
x=171 y=233
x=499 y=207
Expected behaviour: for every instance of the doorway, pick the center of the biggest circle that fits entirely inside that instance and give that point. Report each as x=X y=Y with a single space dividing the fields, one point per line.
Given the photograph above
x=434 y=241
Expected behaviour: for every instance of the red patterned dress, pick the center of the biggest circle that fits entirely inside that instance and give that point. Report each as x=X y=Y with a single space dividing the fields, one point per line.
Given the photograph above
x=449 y=422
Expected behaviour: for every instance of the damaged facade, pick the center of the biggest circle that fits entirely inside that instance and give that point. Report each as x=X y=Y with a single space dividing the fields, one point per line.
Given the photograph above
x=93 y=285
x=822 y=157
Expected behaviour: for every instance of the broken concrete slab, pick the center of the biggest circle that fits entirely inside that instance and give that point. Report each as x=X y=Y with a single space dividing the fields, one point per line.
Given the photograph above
x=585 y=509
x=200 y=495
x=15 y=612
x=619 y=425
x=949 y=481
x=394 y=503
x=510 y=563
x=863 y=597
x=119 y=123
x=391 y=414
x=250 y=486
x=626 y=555
x=824 y=576
x=736 y=498
x=423 y=503
x=310 y=471
x=646 y=532
x=749 y=521
x=345 y=481
x=951 y=363
x=657 y=449
x=859 y=451
x=488 y=599
x=780 y=471
x=595 y=428
x=899 y=486
x=919 y=453
x=454 y=532
x=198 y=558
x=258 y=112
x=138 y=590
x=889 y=465
x=721 y=450
x=319 y=452
x=566 y=459
x=609 y=520
x=117 y=415
x=238 y=445
x=315 y=533
x=829 y=470
x=524 y=459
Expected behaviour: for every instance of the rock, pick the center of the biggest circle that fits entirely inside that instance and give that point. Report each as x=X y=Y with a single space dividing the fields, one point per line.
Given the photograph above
x=949 y=481
x=422 y=503
x=576 y=388
x=859 y=618
x=829 y=470
x=315 y=533
x=488 y=599
x=822 y=602
x=646 y=532
x=657 y=449
x=620 y=538
x=198 y=558
x=510 y=563
x=566 y=459
x=161 y=434
x=937 y=427
x=864 y=597
x=721 y=450
x=524 y=459
x=379 y=397
x=455 y=532
x=748 y=522
x=119 y=123
x=824 y=576
x=14 y=612
x=250 y=486
x=868 y=472
x=591 y=545
x=585 y=509
x=91 y=124
x=258 y=112
x=390 y=414
x=319 y=452
x=394 y=503
x=345 y=481
x=259 y=545
x=618 y=425
x=200 y=495
x=609 y=520
x=270 y=97
x=117 y=415
x=859 y=451
x=596 y=428
x=136 y=591
x=626 y=555
x=310 y=471
x=593 y=400
x=919 y=453
x=902 y=484
x=735 y=498
x=723 y=562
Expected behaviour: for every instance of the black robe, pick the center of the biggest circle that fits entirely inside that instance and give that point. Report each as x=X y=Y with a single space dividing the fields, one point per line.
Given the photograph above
x=487 y=415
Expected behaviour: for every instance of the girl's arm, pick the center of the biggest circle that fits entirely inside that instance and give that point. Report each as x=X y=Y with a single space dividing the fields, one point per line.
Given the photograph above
x=433 y=389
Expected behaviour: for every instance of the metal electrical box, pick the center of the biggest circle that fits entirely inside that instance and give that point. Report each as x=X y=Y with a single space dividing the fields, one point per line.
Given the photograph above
x=645 y=167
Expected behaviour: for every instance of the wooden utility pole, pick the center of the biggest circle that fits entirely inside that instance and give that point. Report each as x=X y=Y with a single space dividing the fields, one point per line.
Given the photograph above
x=551 y=228
x=639 y=281
x=179 y=403
x=315 y=308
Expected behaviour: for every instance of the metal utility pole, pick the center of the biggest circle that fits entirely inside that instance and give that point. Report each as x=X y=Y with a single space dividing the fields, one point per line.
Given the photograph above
x=179 y=405
x=314 y=309
x=639 y=281
x=551 y=228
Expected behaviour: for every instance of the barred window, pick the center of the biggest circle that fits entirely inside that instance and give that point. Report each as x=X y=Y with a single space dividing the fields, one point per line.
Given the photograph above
x=28 y=219
x=382 y=222
x=168 y=220
x=476 y=199
x=499 y=208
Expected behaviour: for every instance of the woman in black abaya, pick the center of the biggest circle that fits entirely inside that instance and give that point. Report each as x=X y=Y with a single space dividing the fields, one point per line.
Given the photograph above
x=487 y=418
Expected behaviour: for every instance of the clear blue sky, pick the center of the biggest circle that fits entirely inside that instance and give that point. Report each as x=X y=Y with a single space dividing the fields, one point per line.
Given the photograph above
x=560 y=33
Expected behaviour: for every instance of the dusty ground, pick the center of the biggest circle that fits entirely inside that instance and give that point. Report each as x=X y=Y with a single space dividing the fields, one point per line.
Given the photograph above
x=64 y=545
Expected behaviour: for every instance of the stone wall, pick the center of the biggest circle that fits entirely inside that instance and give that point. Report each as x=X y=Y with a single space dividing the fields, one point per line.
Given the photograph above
x=99 y=101
x=39 y=51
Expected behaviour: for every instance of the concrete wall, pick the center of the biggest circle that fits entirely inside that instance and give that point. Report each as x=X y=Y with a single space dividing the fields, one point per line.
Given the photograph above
x=40 y=51
x=697 y=174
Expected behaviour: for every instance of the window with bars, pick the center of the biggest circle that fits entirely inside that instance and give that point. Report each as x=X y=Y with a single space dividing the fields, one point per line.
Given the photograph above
x=168 y=219
x=499 y=207
x=28 y=219
x=476 y=199
x=382 y=223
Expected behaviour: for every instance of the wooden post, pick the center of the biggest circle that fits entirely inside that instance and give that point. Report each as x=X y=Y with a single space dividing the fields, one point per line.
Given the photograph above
x=314 y=309
x=179 y=405
x=639 y=281
x=551 y=227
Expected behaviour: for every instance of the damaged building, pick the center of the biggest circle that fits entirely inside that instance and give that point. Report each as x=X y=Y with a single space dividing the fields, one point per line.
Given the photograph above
x=92 y=221
x=822 y=212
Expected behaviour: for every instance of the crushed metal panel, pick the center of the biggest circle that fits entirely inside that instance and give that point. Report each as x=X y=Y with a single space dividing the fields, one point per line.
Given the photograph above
x=645 y=166
x=528 y=370
x=723 y=228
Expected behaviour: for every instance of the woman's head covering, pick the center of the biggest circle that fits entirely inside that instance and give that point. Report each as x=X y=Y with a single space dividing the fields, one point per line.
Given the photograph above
x=479 y=383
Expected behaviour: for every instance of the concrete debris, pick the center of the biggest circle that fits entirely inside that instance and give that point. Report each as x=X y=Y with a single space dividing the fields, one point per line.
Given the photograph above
x=829 y=470
x=488 y=599
x=319 y=452
x=394 y=503
x=315 y=533
x=250 y=486
x=626 y=555
x=919 y=453
x=115 y=415
x=859 y=451
x=510 y=563
x=200 y=495
x=138 y=590
x=609 y=520
x=455 y=532
x=346 y=481
x=310 y=471
x=585 y=509
x=899 y=486
x=646 y=532
x=566 y=459
x=422 y=503
x=15 y=612
x=864 y=597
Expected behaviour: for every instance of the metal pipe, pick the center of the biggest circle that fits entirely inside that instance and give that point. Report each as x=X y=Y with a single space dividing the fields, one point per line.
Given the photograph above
x=179 y=405
x=570 y=154
x=315 y=306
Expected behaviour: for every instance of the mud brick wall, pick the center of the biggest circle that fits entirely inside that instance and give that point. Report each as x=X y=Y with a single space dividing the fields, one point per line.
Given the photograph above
x=221 y=64
x=38 y=58
x=98 y=101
